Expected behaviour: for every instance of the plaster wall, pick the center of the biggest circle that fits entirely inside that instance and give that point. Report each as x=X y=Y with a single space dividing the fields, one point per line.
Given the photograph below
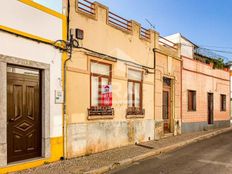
x=204 y=79
x=39 y=24
x=21 y=24
x=106 y=38
x=86 y=135
x=90 y=135
x=186 y=48
x=170 y=67
x=14 y=46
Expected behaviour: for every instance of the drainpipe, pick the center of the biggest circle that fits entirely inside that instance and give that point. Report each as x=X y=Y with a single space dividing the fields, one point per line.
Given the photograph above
x=65 y=98
x=181 y=88
x=65 y=86
x=156 y=40
x=154 y=87
x=65 y=107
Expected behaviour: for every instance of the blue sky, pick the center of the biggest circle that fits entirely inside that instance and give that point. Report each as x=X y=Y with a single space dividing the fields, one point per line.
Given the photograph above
x=53 y=4
x=205 y=22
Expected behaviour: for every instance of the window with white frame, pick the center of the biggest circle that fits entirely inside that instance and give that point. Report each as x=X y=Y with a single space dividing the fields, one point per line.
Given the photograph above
x=100 y=76
x=135 y=79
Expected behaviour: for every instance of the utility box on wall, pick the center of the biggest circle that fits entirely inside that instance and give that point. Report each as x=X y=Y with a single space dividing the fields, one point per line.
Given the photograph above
x=59 y=97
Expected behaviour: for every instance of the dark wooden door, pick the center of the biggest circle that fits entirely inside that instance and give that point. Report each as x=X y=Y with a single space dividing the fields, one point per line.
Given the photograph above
x=24 y=119
x=210 y=108
x=166 y=110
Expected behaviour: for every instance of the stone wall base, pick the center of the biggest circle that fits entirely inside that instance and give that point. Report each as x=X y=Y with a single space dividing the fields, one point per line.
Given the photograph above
x=93 y=137
x=201 y=126
x=159 y=129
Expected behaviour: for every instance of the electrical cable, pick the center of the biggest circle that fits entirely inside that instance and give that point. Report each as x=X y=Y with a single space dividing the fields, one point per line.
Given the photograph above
x=116 y=58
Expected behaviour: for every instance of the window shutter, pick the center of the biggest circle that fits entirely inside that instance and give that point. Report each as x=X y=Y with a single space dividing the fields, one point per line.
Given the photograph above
x=189 y=101
x=194 y=100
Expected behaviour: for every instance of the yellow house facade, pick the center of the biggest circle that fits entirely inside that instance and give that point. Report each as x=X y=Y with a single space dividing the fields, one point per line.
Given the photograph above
x=116 y=56
x=134 y=64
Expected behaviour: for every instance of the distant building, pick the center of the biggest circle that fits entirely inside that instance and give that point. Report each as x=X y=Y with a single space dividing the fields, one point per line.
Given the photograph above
x=205 y=88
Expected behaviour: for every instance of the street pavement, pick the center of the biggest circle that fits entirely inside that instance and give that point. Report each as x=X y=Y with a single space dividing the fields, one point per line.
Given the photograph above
x=210 y=156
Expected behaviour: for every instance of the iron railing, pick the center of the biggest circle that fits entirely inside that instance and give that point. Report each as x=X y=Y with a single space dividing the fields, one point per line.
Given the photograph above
x=119 y=22
x=165 y=42
x=94 y=111
x=113 y=19
x=86 y=6
x=135 y=111
x=144 y=33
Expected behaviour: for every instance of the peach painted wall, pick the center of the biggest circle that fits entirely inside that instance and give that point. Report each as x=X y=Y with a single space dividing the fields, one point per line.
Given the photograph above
x=203 y=78
x=168 y=64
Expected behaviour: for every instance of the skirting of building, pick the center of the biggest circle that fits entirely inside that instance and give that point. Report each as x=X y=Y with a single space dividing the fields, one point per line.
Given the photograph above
x=201 y=126
x=92 y=137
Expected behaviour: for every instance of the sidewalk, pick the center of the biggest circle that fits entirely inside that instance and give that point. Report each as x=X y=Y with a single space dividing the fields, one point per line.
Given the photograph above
x=103 y=162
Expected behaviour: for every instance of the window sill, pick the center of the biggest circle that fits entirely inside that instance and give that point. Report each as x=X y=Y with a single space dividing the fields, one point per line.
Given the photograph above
x=134 y=116
x=192 y=111
x=100 y=117
x=100 y=111
x=135 y=112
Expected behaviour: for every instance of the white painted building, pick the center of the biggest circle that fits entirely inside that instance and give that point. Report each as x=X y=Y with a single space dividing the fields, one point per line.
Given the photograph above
x=30 y=74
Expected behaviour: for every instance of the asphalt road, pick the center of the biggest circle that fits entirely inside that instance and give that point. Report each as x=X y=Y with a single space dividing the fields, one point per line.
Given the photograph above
x=211 y=156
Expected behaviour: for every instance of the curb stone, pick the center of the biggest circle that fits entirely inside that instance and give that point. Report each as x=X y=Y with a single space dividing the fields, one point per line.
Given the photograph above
x=156 y=152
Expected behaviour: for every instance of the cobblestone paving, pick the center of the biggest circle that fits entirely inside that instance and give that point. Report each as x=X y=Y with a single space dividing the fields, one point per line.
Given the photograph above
x=86 y=163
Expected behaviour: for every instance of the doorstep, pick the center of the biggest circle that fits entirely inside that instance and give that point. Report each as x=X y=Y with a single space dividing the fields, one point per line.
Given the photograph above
x=167 y=135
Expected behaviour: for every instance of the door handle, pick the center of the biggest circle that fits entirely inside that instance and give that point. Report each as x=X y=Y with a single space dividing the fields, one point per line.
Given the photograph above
x=11 y=120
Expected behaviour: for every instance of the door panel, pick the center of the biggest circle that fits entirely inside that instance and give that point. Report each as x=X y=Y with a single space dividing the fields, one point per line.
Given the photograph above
x=18 y=101
x=166 y=110
x=30 y=99
x=24 y=120
x=210 y=108
x=165 y=105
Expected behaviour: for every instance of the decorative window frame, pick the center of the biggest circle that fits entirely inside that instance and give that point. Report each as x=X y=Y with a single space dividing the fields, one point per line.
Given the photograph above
x=193 y=109
x=95 y=112
x=135 y=112
x=45 y=114
x=222 y=107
